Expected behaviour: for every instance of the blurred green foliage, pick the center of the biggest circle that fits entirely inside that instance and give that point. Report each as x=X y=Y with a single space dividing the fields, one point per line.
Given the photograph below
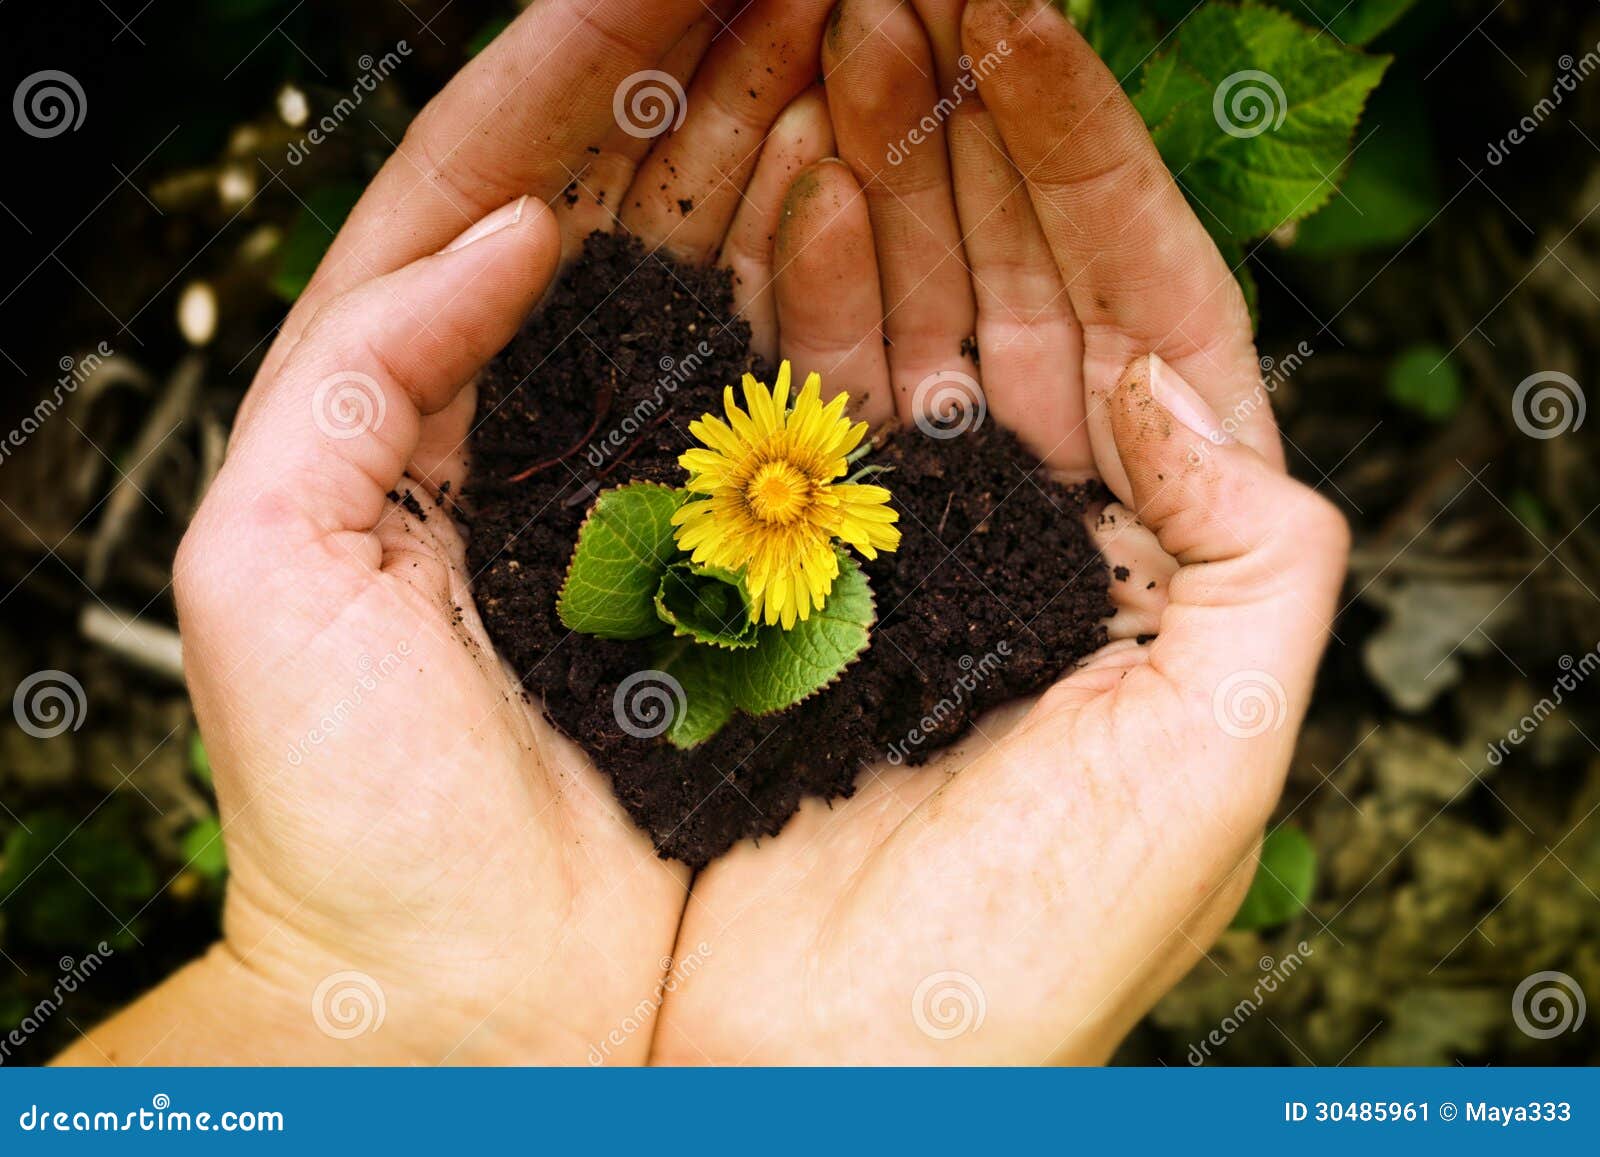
x=1283 y=883
x=71 y=882
x=313 y=230
x=1424 y=380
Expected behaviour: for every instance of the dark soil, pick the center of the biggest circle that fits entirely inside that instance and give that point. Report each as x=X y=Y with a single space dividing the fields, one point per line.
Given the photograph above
x=995 y=591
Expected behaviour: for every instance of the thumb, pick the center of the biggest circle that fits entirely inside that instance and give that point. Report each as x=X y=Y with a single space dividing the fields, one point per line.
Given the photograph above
x=1261 y=558
x=337 y=426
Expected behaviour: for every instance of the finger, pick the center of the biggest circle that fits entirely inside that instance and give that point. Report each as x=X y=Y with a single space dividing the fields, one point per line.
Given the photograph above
x=515 y=120
x=1029 y=340
x=881 y=90
x=1261 y=557
x=688 y=188
x=801 y=136
x=941 y=20
x=439 y=462
x=1141 y=270
x=1140 y=572
x=336 y=430
x=594 y=196
x=830 y=313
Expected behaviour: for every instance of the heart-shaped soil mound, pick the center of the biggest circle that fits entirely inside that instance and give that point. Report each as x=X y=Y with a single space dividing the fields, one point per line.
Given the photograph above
x=995 y=591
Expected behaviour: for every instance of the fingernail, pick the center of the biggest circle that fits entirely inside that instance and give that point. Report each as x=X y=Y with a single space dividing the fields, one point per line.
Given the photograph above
x=502 y=218
x=1178 y=398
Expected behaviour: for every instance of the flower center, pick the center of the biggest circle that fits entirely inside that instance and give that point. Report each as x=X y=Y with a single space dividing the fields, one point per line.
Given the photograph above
x=777 y=492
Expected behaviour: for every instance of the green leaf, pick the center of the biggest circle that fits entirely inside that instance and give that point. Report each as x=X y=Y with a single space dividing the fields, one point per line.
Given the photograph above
x=1234 y=255
x=706 y=604
x=1423 y=379
x=1352 y=21
x=203 y=850
x=1123 y=35
x=785 y=667
x=1283 y=882
x=485 y=35
x=704 y=674
x=199 y=761
x=313 y=230
x=68 y=883
x=1391 y=189
x=781 y=669
x=1529 y=511
x=1254 y=113
x=624 y=547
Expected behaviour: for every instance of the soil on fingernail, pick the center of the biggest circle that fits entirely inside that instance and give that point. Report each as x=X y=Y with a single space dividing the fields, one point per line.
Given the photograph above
x=995 y=592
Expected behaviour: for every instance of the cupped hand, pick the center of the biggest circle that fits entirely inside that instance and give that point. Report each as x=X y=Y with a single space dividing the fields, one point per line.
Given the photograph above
x=421 y=870
x=1028 y=896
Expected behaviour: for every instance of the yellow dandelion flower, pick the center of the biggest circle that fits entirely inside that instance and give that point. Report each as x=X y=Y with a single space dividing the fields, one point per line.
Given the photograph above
x=773 y=505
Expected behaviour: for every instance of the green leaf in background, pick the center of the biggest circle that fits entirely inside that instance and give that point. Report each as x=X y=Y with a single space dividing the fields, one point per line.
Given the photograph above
x=68 y=883
x=485 y=35
x=1424 y=380
x=703 y=673
x=199 y=761
x=1283 y=882
x=1529 y=511
x=785 y=667
x=203 y=851
x=706 y=604
x=624 y=547
x=1254 y=113
x=1391 y=190
x=1352 y=21
x=321 y=216
x=1121 y=34
x=1234 y=255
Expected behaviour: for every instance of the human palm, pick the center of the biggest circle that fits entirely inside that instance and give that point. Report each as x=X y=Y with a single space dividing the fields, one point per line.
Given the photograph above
x=412 y=847
x=1026 y=897
x=400 y=821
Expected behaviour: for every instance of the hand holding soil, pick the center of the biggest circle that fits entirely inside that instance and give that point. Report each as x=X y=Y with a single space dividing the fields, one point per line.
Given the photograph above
x=1058 y=867
x=1069 y=860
